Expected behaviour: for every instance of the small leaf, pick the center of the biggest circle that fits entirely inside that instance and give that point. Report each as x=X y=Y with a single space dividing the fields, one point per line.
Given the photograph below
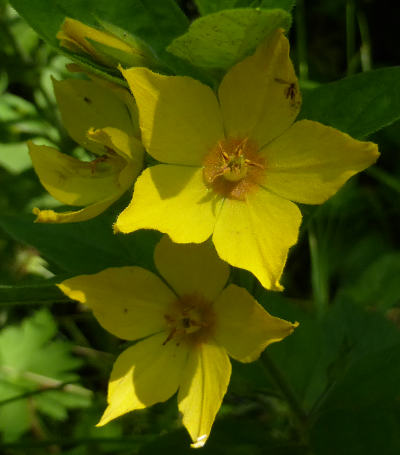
x=221 y=39
x=14 y=157
x=358 y=105
x=31 y=362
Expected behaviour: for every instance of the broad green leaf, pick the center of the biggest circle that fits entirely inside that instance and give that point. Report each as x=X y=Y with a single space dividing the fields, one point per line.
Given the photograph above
x=361 y=412
x=221 y=39
x=157 y=22
x=379 y=285
x=358 y=105
x=360 y=409
x=303 y=357
x=321 y=350
x=370 y=430
x=86 y=247
x=45 y=292
x=32 y=365
x=212 y=6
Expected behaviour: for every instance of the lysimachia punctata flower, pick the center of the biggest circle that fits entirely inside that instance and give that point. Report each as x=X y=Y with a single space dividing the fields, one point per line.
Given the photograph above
x=234 y=161
x=102 y=118
x=187 y=323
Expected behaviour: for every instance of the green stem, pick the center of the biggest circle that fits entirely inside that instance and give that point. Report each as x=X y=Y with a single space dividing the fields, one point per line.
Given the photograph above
x=301 y=38
x=350 y=35
x=318 y=276
x=32 y=393
x=287 y=392
x=365 y=50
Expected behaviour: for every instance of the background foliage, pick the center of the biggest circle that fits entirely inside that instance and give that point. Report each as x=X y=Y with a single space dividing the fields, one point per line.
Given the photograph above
x=333 y=386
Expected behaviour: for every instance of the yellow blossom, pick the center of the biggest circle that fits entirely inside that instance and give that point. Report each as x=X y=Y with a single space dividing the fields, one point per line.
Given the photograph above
x=187 y=324
x=233 y=163
x=104 y=46
x=102 y=118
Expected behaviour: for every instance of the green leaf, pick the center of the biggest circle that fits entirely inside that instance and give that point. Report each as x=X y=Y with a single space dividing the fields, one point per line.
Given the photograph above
x=15 y=157
x=212 y=6
x=358 y=105
x=362 y=431
x=43 y=292
x=303 y=357
x=244 y=435
x=283 y=4
x=86 y=247
x=221 y=39
x=14 y=417
x=378 y=286
x=157 y=22
x=33 y=364
x=360 y=410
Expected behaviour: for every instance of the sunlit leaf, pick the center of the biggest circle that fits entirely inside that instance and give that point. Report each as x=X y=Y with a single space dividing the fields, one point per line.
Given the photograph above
x=33 y=363
x=221 y=39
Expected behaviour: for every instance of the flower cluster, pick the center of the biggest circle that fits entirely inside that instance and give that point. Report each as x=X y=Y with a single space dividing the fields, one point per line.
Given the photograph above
x=231 y=165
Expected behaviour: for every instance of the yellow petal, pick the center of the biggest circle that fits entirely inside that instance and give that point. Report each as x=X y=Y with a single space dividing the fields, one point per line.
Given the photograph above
x=147 y=373
x=86 y=104
x=191 y=269
x=75 y=182
x=257 y=233
x=121 y=93
x=311 y=161
x=259 y=96
x=203 y=387
x=87 y=213
x=179 y=117
x=243 y=327
x=123 y=144
x=173 y=200
x=129 y=302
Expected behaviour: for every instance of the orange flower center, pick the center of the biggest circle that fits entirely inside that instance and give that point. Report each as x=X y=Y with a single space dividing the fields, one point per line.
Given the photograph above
x=233 y=167
x=190 y=319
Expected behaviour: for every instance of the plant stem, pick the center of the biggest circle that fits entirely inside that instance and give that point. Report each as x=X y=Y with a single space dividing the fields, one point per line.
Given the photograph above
x=318 y=274
x=350 y=35
x=301 y=38
x=365 y=50
x=65 y=386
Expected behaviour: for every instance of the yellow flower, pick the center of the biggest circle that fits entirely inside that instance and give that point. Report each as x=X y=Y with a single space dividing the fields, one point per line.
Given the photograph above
x=105 y=47
x=187 y=324
x=234 y=163
x=101 y=118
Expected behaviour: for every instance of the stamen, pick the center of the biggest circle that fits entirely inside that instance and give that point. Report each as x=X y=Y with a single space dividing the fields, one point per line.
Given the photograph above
x=233 y=167
x=190 y=319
